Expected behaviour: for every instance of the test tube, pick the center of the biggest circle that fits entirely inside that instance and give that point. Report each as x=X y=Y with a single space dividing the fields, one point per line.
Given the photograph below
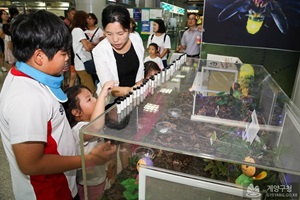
x=141 y=92
x=122 y=103
x=158 y=78
x=163 y=75
x=152 y=85
x=127 y=100
x=134 y=96
x=119 y=106
x=138 y=92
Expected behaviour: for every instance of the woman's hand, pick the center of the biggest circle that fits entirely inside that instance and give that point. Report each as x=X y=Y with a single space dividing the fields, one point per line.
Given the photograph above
x=120 y=91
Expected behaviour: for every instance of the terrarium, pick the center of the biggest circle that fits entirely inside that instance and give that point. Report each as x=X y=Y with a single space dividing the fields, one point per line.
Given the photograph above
x=196 y=132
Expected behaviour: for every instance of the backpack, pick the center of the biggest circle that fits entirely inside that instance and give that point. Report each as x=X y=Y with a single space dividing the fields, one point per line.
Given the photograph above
x=168 y=53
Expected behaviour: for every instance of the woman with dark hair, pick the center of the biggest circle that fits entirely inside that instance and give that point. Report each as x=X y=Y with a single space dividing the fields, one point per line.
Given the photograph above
x=4 y=19
x=82 y=48
x=94 y=33
x=120 y=55
x=160 y=37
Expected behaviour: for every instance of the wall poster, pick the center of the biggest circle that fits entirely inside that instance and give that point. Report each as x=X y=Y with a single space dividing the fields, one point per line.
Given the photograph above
x=271 y=24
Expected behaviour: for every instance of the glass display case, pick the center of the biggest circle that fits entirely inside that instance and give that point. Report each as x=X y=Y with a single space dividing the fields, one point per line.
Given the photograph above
x=192 y=118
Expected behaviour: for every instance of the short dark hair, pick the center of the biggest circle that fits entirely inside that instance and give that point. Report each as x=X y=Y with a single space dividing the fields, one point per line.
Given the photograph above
x=6 y=29
x=193 y=14
x=13 y=11
x=161 y=26
x=93 y=16
x=79 y=20
x=73 y=102
x=154 y=45
x=71 y=9
x=116 y=13
x=39 y=30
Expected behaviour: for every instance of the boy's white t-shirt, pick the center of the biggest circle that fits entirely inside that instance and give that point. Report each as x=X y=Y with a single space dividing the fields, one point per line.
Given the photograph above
x=29 y=113
x=95 y=175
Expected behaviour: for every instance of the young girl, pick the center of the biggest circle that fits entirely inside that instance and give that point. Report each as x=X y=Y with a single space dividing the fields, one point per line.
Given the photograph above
x=153 y=55
x=81 y=108
x=151 y=68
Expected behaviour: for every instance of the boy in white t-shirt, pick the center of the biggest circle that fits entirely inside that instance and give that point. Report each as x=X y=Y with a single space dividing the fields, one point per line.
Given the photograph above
x=35 y=132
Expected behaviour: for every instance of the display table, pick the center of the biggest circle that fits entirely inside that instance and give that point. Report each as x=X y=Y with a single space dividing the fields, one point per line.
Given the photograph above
x=172 y=120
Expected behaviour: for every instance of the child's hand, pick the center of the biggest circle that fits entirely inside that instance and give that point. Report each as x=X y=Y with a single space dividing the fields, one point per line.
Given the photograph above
x=101 y=154
x=107 y=87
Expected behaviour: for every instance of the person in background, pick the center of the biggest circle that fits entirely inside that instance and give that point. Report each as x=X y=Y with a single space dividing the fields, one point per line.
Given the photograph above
x=4 y=19
x=82 y=48
x=94 y=33
x=151 y=68
x=191 y=38
x=133 y=28
x=153 y=51
x=35 y=133
x=120 y=55
x=81 y=108
x=13 y=12
x=70 y=17
x=8 y=46
x=161 y=39
x=69 y=72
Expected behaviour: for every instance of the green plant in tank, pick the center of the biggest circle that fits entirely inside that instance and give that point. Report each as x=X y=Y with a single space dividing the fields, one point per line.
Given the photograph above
x=221 y=170
x=130 y=184
x=131 y=192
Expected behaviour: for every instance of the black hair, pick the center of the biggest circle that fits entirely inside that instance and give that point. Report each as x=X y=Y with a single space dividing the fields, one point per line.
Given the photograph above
x=154 y=45
x=93 y=16
x=39 y=30
x=6 y=29
x=150 y=66
x=116 y=13
x=161 y=26
x=62 y=17
x=195 y=16
x=13 y=11
x=71 y=9
x=73 y=102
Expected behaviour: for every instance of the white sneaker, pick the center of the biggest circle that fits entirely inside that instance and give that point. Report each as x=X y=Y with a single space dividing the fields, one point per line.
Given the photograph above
x=3 y=69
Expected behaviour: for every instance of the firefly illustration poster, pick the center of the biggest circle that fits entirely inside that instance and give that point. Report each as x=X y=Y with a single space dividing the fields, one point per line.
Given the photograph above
x=271 y=24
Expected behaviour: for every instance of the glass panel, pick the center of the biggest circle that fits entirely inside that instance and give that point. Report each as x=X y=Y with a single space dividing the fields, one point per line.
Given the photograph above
x=156 y=183
x=177 y=116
